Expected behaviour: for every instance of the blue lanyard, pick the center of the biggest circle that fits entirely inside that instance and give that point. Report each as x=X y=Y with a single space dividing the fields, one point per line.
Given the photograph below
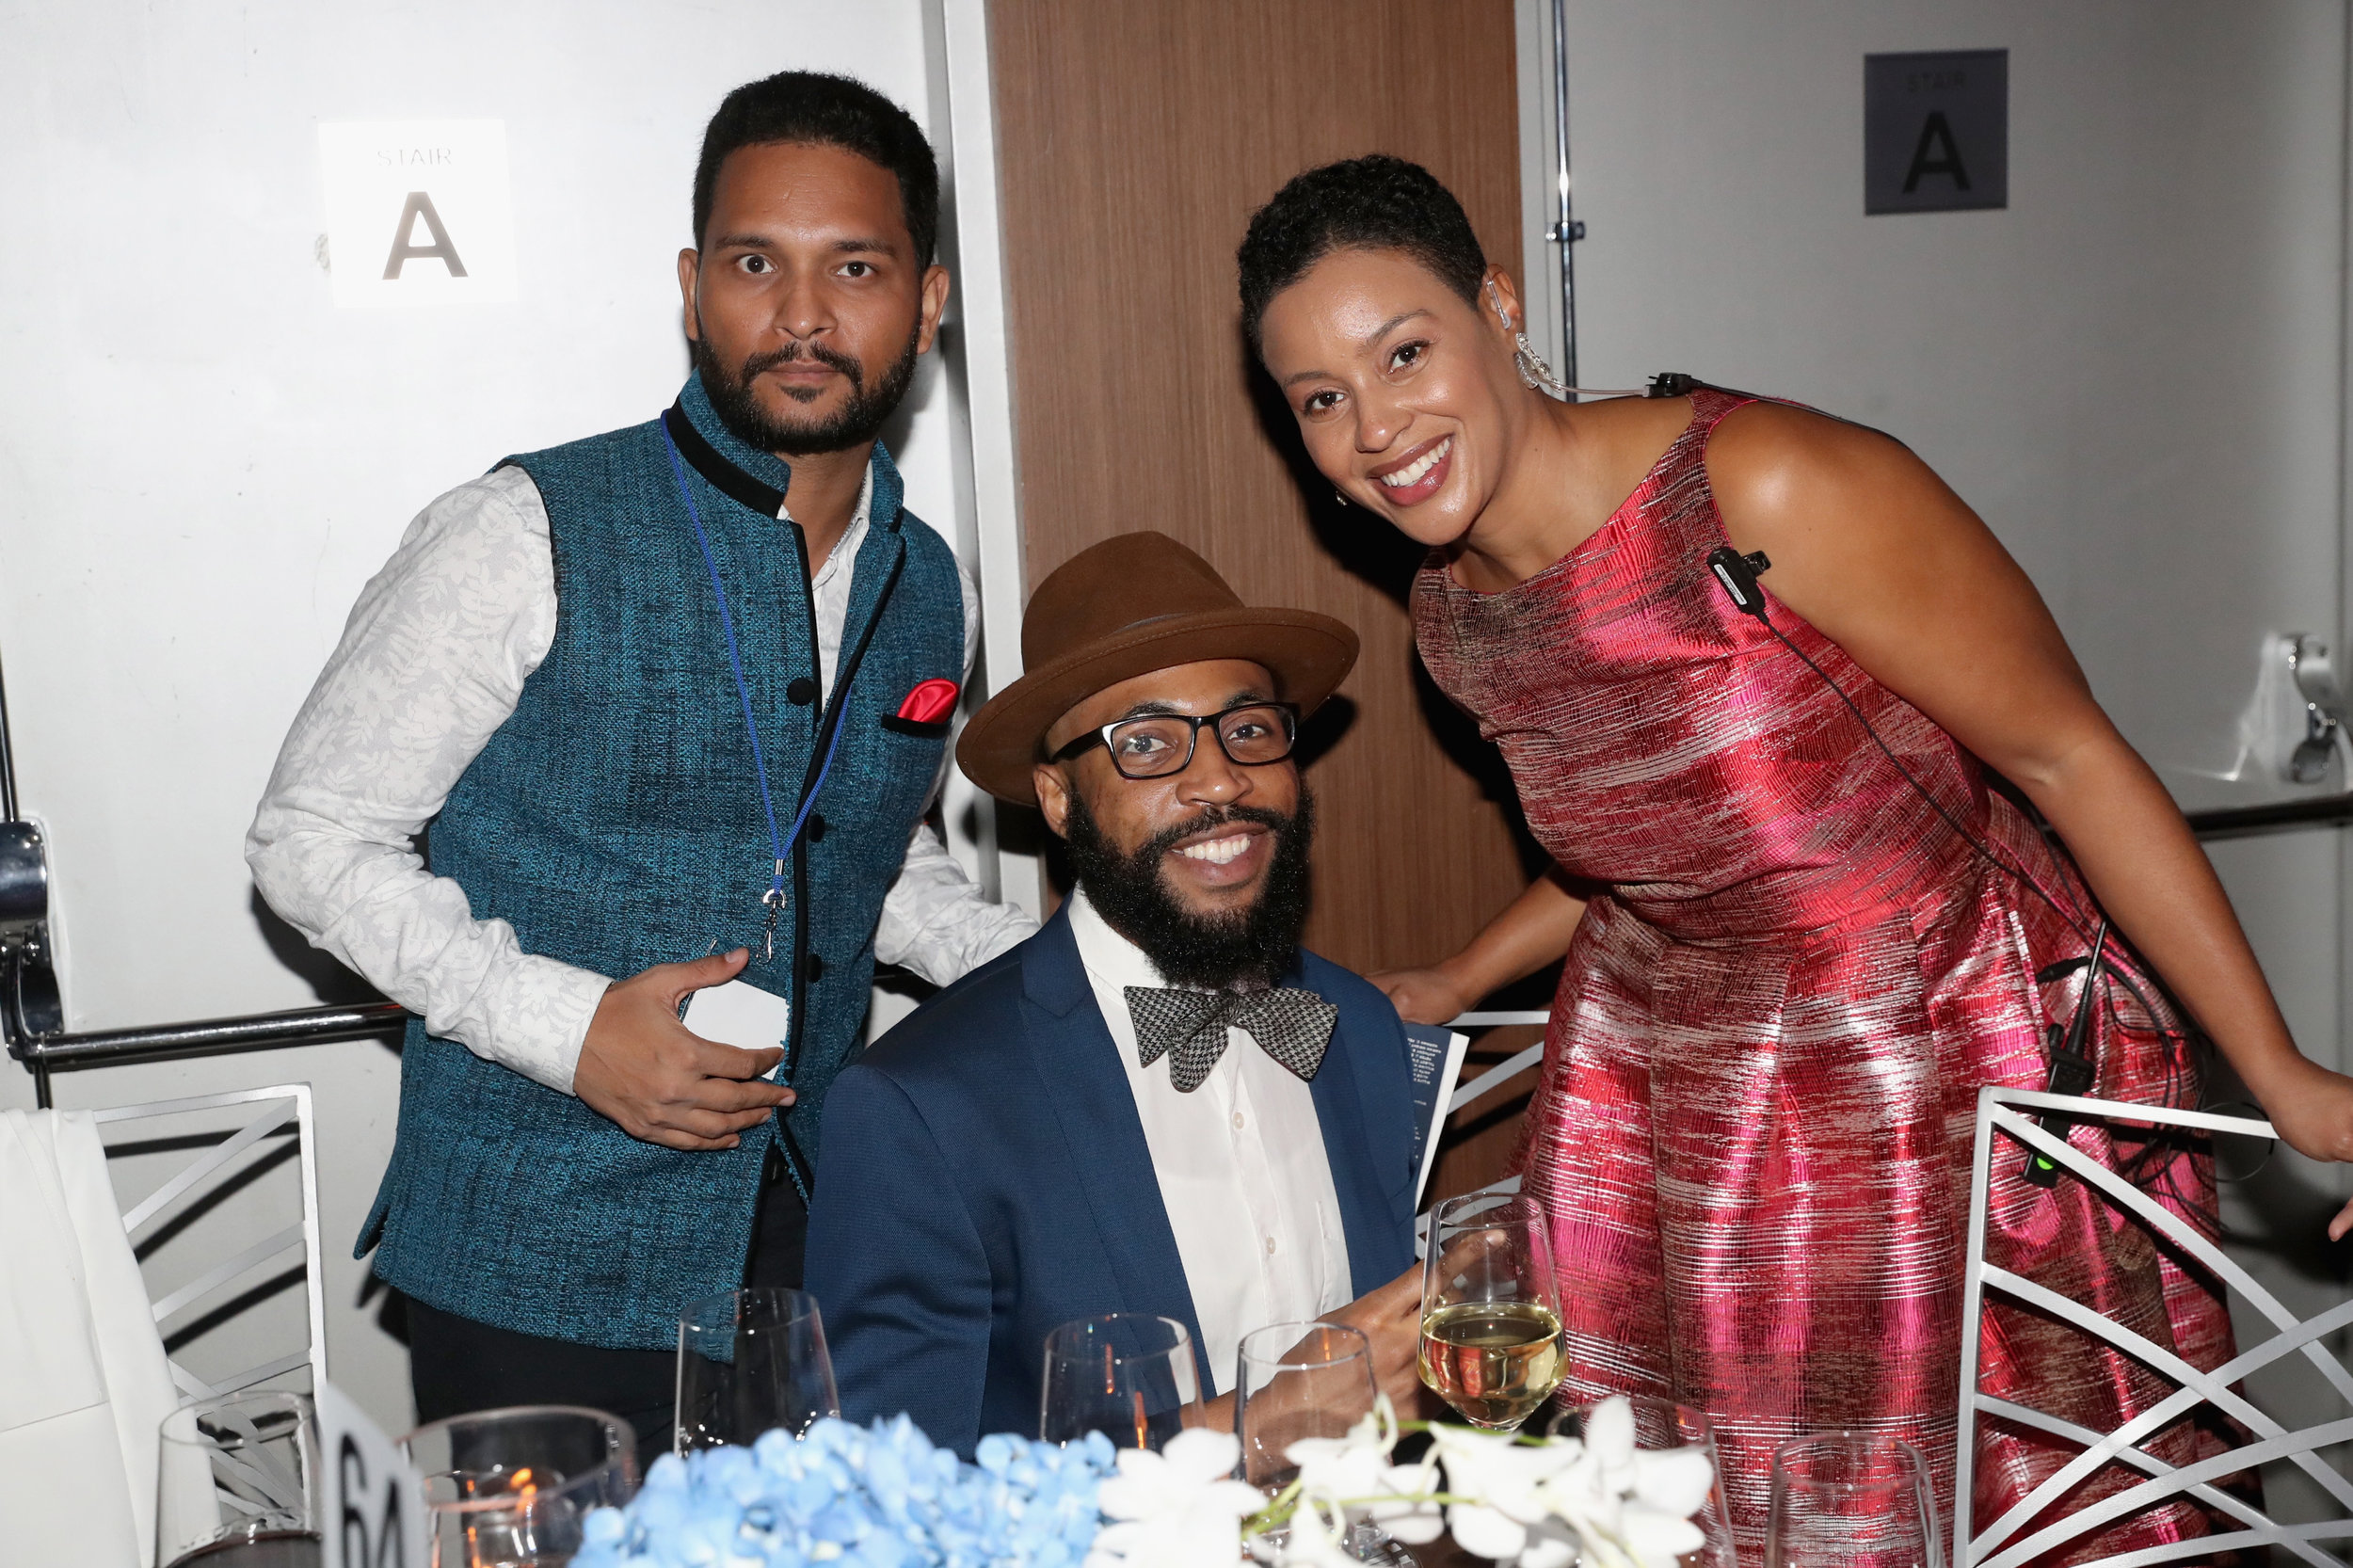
x=781 y=843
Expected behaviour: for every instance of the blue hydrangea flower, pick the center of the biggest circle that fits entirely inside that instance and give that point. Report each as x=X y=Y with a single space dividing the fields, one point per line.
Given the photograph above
x=879 y=1496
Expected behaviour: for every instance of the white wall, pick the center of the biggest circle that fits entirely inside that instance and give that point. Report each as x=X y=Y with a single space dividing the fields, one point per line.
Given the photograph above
x=202 y=458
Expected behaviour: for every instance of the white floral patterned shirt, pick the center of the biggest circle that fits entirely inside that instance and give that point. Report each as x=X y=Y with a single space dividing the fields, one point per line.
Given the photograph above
x=431 y=662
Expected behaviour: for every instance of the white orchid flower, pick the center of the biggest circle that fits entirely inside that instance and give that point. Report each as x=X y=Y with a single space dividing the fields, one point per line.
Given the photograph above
x=1352 y=1474
x=1490 y=1533
x=1315 y=1540
x=1601 y=1500
x=1640 y=1500
x=1673 y=1481
x=1510 y=1480
x=1350 y=1466
x=1503 y=1473
x=1180 y=1508
x=1406 y=1509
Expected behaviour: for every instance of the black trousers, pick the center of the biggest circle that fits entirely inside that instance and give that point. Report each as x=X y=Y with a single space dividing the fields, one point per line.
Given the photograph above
x=457 y=1365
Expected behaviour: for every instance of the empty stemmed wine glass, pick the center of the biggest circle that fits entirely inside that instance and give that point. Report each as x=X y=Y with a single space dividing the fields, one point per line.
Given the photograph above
x=1128 y=1375
x=1853 y=1499
x=1490 y=1309
x=749 y=1361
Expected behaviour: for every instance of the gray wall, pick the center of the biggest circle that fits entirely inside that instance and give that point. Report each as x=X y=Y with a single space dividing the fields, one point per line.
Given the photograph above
x=2135 y=373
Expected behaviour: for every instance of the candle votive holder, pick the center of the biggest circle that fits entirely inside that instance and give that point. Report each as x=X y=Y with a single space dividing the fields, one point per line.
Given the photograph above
x=510 y=1488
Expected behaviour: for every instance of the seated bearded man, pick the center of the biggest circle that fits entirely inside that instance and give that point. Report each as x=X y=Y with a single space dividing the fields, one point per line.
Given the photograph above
x=1159 y=1103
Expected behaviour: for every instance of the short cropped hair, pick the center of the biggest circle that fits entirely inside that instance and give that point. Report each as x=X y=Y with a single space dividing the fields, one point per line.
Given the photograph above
x=823 y=110
x=1370 y=203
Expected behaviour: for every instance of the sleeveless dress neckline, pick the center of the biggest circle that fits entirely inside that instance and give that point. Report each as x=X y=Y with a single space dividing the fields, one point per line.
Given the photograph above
x=1753 y=1128
x=1614 y=520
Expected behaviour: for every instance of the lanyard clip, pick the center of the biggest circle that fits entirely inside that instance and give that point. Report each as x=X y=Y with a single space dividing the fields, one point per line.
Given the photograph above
x=774 y=900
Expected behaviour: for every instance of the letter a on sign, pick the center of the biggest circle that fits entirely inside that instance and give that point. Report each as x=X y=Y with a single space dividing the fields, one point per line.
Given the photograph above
x=1936 y=154
x=419 y=208
x=419 y=211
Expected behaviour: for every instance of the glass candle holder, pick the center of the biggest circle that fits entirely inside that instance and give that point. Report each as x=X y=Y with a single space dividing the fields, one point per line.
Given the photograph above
x=509 y=1488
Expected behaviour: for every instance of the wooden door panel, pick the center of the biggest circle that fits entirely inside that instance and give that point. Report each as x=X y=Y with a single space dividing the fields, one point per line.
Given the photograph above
x=1135 y=140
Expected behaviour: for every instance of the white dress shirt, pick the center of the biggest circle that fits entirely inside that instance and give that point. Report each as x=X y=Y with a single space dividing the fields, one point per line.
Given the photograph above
x=1241 y=1167
x=431 y=662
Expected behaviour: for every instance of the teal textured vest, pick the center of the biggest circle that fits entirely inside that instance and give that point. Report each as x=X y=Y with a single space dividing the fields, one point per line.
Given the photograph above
x=615 y=821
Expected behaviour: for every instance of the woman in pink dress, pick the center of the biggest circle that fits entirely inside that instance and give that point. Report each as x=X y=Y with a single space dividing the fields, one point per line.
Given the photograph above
x=1800 y=931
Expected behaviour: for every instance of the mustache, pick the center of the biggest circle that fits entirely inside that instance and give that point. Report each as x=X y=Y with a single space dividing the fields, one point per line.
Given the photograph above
x=792 y=353
x=1215 y=816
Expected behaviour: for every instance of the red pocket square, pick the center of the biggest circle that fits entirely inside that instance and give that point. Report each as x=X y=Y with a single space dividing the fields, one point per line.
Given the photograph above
x=929 y=702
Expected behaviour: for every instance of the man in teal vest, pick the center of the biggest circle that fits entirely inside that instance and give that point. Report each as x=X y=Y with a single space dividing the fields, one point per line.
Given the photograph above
x=674 y=700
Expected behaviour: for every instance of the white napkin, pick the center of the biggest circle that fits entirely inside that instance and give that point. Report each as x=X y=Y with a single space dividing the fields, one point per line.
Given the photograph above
x=83 y=1380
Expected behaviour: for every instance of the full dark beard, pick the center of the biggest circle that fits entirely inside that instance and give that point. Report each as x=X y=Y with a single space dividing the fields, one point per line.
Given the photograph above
x=857 y=421
x=1245 y=951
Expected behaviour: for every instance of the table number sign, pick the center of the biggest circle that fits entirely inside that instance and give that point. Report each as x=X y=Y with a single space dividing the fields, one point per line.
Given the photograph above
x=373 y=1501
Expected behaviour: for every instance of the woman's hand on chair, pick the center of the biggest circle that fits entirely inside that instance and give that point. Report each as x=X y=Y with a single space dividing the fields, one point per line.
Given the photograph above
x=2312 y=1107
x=1428 y=996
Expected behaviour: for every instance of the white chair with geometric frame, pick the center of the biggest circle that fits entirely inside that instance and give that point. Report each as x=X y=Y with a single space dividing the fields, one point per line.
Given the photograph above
x=2006 y=1122
x=230 y=1155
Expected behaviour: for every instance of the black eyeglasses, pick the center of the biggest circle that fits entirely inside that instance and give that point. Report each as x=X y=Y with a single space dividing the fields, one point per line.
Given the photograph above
x=1159 y=744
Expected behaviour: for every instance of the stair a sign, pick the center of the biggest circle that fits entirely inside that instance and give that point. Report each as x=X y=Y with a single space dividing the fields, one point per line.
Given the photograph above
x=1936 y=131
x=419 y=211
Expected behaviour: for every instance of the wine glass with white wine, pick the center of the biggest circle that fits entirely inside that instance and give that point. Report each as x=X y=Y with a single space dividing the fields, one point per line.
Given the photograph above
x=1491 y=1309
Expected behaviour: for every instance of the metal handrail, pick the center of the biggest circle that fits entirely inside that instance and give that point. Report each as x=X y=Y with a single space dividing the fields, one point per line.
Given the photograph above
x=2278 y=816
x=103 y=1047
x=208 y=1036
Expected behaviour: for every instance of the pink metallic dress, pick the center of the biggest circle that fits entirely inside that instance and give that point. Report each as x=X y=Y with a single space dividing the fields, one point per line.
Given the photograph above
x=1757 y=1106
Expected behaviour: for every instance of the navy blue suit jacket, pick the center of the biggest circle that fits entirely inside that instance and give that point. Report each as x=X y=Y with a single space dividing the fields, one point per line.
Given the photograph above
x=983 y=1179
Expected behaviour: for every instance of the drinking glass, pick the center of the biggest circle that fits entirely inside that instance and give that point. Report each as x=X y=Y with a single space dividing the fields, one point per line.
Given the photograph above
x=510 y=1488
x=1304 y=1380
x=1295 y=1381
x=1660 y=1425
x=1128 y=1375
x=1856 y=1500
x=749 y=1361
x=1490 y=1309
x=237 y=1483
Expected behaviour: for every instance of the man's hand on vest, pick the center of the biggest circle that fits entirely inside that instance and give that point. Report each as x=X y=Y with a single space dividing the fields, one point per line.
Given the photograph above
x=640 y=1067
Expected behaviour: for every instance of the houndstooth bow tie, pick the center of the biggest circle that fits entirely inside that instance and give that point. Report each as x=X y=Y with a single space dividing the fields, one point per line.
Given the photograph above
x=1290 y=1025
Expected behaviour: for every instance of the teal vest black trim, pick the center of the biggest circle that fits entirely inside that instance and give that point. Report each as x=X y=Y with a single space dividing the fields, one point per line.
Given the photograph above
x=615 y=821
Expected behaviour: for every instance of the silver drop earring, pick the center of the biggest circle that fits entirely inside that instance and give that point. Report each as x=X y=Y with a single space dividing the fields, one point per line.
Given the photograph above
x=1536 y=375
x=1339 y=495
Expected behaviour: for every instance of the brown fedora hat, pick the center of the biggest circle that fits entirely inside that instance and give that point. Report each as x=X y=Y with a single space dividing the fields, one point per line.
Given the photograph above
x=1126 y=607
